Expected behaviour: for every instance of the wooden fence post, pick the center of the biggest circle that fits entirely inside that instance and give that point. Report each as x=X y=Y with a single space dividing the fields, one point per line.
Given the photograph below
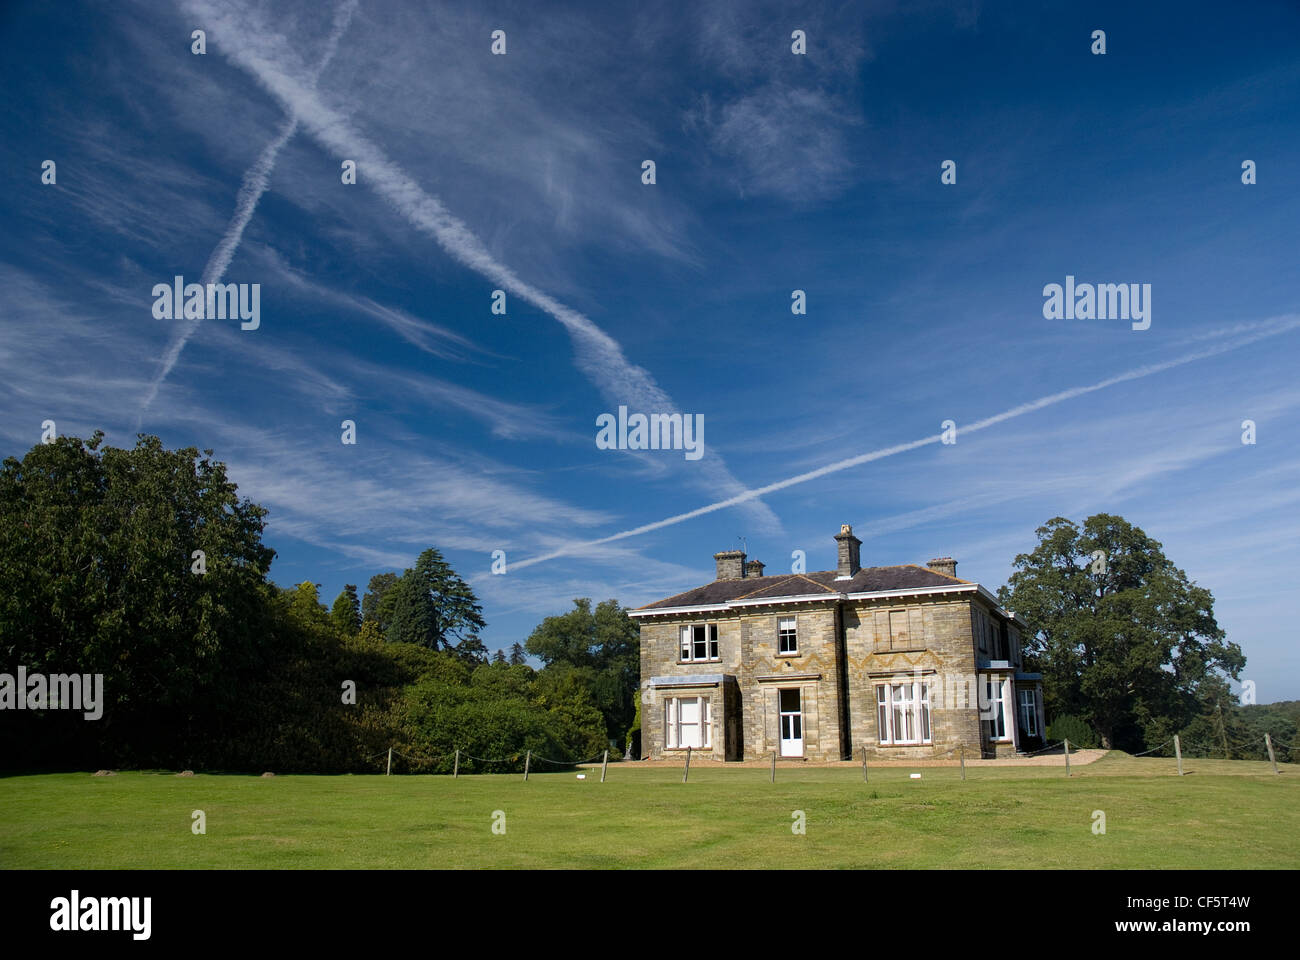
x=963 y=761
x=1268 y=742
x=389 y=771
x=528 y=762
x=603 y=764
x=1178 y=752
x=1067 y=756
x=455 y=771
x=864 y=763
x=774 y=766
x=686 y=771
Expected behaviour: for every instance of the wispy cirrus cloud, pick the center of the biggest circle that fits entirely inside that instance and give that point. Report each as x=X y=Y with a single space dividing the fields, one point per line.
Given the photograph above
x=434 y=339
x=252 y=43
x=256 y=181
x=1267 y=330
x=785 y=142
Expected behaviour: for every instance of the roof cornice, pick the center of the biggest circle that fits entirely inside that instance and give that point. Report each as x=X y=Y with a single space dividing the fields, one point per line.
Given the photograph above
x=815 y=598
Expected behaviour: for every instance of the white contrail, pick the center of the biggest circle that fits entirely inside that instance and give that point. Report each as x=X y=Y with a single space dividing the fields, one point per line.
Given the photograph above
x=1285 y=325
x=256 y=181
x=262 y=52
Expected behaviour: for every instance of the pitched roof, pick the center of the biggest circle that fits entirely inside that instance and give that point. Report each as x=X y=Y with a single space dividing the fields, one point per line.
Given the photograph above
x=819 y=583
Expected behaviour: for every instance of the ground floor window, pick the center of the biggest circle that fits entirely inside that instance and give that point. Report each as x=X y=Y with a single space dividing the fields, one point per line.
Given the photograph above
x=688 y=722
x=1029 y=712
x=903 y=712
x=994 y=708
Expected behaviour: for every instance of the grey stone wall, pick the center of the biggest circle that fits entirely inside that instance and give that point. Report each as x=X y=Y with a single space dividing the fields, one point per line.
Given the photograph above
x=814 y=671
x=939 y=645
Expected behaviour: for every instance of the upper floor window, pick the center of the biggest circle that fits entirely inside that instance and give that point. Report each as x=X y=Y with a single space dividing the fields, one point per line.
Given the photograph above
x=787 y=636
x=699 y=642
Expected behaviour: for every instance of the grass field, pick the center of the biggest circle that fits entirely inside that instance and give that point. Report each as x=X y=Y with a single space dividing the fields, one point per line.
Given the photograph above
x=1222 y=815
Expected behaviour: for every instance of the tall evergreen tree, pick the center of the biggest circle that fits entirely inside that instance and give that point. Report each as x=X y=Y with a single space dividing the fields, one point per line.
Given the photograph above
x=433 y=607
x=346 y=612
x=517 y=654
x=472 y=651
x=499 y=657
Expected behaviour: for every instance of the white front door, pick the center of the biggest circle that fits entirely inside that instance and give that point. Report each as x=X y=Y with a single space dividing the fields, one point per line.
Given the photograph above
x=791 y=723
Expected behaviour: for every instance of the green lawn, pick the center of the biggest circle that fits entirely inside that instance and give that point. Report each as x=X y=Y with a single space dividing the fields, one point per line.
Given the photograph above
x=1223 y=815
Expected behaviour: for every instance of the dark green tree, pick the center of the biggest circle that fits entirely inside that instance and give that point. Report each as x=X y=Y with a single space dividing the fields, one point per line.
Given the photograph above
x=377 y=604
x=472 y=651
x=143 y=565
x=605 y=642
x=1121 y=636
x=517 y=654
x=499 y=657
x=346 y=612
x=435 y=608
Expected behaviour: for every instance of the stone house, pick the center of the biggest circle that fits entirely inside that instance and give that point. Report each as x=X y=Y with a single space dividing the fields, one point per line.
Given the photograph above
x=906 y=661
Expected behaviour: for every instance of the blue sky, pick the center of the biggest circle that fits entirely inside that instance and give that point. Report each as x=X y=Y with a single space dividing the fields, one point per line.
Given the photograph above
x=775 y=172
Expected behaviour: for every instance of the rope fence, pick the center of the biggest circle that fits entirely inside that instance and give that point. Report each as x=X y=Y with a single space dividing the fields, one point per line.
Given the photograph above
x=423 y=762
x=1204 y=747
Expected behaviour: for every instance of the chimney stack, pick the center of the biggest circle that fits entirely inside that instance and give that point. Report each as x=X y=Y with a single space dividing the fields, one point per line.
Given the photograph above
x=731 y=564
x=945 y=565
x=753 y=569
x=848 y=553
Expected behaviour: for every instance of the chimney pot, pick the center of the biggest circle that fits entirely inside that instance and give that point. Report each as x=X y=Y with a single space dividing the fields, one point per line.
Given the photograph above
x=753 y=569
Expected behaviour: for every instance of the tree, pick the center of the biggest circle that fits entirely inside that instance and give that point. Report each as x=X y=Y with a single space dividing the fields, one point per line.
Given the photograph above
x=142 y=565
x=606 y=641
x=433 y=607
x=346 y=612
x=1121 y=636
x=499 y=657
x=376 y=605
x=517 y=654
x=305 y=605
x=471 y=650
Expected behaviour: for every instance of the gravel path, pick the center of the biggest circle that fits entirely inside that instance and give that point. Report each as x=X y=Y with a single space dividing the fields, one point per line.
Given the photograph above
x=1053 y=759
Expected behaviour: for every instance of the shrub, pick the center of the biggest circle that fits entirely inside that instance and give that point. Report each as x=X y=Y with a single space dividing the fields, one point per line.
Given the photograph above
x=634 y=731
x=1072 y=728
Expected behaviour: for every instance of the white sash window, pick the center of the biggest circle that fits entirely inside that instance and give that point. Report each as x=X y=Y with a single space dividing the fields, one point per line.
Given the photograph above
x=788 y=636
x=1029 y=712
x=688 y=722
x=699 y=642
x=994 y=707
x=903 y=713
